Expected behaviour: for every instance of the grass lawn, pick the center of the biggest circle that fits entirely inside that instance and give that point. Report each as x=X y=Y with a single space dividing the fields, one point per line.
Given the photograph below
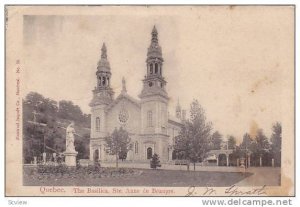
x=149 y=177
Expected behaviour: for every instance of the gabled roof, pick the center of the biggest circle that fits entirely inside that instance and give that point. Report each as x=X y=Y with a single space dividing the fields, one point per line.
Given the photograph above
x=123 y=96
x=174 y=120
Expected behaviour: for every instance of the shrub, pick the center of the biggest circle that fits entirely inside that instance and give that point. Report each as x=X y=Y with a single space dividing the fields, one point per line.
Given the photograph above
x=154 y=163
x=61 y=171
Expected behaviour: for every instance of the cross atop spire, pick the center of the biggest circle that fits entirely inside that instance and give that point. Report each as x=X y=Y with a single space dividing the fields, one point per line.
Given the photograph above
x=123 y=85
x=103 y=51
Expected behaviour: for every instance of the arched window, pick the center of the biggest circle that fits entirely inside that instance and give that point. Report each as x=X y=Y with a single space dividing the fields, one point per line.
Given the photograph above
x=149 y=153
x=99 y=81
x=98 y=124
x=136 y=147
x=103 y=81
x=149 y=119
x=156 y=68
x=151 y=68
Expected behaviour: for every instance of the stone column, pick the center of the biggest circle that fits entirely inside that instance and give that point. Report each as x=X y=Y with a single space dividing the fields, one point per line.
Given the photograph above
x=260 y=161
x=237 y=162
x=273 y=163
x=227 y=160
x=217 y=160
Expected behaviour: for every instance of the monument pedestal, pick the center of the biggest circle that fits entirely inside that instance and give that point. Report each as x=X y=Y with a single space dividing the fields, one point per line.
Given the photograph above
x=70 y=158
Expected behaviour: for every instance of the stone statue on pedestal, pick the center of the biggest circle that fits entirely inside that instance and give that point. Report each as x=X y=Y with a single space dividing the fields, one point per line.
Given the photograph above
x=70 y=153
x=70 y=138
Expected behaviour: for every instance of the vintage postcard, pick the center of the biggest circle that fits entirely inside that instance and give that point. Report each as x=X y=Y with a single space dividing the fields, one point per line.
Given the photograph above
x=150 y=100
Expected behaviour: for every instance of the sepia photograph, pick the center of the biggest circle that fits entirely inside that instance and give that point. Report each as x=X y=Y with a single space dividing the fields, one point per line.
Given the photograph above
x=150 y=100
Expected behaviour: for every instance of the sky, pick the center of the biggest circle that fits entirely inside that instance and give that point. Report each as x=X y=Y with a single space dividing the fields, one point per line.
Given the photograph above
x=236 y=61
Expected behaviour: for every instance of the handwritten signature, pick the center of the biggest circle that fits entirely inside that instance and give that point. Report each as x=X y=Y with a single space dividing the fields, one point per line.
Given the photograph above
x=233 y=190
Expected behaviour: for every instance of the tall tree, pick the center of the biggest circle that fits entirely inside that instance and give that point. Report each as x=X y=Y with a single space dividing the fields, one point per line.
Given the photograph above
x=118 y=143
x=193 y=139
x=260 y=148
x=231 y=142
x=216 y=140
x=262 y=142
x=246 y=143
x=276 y=143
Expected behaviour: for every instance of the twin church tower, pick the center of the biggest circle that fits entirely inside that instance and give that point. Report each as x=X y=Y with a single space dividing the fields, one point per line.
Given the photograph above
x=151 y=128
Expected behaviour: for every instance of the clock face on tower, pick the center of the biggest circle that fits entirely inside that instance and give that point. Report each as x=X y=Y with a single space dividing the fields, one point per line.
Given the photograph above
x=123 y=116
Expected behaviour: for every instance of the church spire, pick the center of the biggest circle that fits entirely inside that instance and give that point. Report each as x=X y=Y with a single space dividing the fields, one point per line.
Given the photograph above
x=154 y=33
x=103 y=93
x=154 y=51
x=154 y=82
x=178 y=110
x=123 y=86
x=103 y=51
x=103 y=64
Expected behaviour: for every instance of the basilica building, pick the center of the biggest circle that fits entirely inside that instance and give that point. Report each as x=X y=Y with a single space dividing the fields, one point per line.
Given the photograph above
x=147 y=120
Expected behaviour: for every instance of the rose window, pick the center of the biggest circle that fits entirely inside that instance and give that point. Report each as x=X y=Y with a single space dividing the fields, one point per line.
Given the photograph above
x=123 y=116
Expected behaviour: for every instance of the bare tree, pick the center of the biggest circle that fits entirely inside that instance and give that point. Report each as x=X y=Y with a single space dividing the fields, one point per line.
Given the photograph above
x=231 y=141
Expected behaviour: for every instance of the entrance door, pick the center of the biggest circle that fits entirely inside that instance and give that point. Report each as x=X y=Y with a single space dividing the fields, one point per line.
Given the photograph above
x=149 y=153
x=96 y=155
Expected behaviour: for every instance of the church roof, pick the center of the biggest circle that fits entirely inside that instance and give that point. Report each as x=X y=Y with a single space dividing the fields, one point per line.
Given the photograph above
x=174 y=120
x=124 y=96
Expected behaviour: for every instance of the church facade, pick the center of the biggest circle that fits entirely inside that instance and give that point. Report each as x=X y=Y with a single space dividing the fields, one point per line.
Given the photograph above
x=147 y=119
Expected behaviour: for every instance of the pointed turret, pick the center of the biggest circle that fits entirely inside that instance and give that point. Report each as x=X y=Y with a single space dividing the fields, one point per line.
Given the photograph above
x=154 y=51
x=154 y=35
x=123 y=86
x=103 y=93
x=104 y=51
x=103 y=64
x=178 y=110
x=154 y=82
